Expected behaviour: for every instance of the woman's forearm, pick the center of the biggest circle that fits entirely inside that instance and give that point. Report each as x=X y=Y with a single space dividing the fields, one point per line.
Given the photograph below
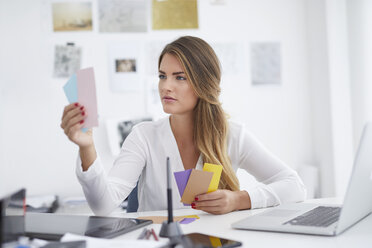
x=88 y=155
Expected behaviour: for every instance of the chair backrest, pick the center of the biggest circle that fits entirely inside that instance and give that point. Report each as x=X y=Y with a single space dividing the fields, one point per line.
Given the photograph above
x=133 y=200
x=12 y=217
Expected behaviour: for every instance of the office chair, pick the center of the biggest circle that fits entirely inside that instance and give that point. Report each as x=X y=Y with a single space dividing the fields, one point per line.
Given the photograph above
x=133 y=200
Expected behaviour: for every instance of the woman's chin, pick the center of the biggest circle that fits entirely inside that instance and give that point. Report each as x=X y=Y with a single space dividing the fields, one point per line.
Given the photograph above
x=176 y=111
x=172 y=111
x=167 y=110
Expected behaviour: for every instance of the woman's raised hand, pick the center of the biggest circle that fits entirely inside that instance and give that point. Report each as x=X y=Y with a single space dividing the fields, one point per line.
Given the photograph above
x=72 y=121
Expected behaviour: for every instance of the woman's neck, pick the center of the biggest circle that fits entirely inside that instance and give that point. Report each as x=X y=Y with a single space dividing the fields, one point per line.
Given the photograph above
x=182 y=127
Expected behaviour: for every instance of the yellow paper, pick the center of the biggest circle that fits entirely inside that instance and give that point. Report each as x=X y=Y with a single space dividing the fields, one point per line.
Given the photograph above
x=217 y=170
x=216 y=242
x=174 y=14
x=191 y=216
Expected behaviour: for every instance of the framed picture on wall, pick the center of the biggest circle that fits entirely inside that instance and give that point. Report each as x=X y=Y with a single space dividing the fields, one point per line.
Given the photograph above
x=174 y=14
x=72 y=16
x=122 y=16
x=124 y=66
x=67 y=60
x=266 y=63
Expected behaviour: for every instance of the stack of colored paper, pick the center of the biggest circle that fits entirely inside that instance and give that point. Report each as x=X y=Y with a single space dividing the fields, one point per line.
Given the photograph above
x=81 y=88
x=193 y=182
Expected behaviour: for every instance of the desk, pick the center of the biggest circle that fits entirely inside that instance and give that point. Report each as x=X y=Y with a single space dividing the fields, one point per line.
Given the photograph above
x=358 y=236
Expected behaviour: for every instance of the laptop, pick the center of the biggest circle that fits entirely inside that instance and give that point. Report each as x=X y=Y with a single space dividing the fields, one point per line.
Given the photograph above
x=318 y=219
x=15 y=222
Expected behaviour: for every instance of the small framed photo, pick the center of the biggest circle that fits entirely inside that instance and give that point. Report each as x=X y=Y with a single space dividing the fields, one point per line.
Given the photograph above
x=125 y=65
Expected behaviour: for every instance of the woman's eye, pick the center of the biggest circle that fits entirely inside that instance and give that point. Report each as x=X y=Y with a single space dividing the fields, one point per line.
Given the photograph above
x=180 y=78
x=161 y=76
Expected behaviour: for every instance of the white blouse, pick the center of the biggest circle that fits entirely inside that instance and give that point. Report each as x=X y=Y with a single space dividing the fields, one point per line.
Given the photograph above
x=143 y=159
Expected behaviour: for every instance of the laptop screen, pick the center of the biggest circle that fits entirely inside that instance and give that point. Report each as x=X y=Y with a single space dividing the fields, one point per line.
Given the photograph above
x=12 y=218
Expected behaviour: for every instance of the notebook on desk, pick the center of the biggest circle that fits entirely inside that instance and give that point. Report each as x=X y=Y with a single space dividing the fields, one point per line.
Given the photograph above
x=324 y=220
x=15 y=222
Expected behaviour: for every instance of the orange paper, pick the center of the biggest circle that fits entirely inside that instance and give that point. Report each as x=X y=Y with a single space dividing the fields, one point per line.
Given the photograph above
x=198 y=184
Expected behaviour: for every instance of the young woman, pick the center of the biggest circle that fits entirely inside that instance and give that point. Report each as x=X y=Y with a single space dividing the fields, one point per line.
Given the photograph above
x=196 y=132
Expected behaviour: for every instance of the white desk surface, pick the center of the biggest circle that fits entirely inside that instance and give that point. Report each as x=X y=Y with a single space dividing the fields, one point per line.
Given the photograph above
x=358 y=236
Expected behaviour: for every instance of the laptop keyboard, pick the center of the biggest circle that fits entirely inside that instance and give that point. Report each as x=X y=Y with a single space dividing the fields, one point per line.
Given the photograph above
x=319 y=217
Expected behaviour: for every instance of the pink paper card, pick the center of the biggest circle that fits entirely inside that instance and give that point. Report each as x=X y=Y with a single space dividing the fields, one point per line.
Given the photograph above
x=87 y=96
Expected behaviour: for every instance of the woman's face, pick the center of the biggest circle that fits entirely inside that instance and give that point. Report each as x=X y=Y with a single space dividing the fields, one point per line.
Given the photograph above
x=176 y=93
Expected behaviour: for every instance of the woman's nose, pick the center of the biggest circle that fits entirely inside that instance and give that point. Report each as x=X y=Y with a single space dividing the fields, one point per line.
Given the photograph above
x=166 y=85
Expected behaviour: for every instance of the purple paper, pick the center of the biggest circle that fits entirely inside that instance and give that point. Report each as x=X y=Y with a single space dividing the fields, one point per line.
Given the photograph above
x=181 y=178
x=187 y=220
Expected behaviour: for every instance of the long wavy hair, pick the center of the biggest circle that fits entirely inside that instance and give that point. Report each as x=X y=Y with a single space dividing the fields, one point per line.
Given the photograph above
x=202 y=69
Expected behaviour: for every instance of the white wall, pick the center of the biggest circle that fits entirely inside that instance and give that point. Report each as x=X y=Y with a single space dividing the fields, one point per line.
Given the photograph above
x=36 y=154
x=360 y=46
x=330 y=93
x=340 y=97
x=319 y=91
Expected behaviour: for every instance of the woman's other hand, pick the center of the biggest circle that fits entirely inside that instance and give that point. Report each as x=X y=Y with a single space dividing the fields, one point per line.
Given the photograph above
x=72 y=121
x=222 y=201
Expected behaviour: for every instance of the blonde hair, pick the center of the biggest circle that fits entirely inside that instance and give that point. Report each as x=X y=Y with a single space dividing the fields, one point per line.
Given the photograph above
x=202 y=69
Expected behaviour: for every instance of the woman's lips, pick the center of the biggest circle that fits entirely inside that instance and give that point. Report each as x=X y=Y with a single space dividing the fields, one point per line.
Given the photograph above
x=168 y=99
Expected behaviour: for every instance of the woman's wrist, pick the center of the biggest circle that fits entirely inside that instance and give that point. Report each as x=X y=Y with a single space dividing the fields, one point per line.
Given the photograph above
x=87 y=147
x=243 y=200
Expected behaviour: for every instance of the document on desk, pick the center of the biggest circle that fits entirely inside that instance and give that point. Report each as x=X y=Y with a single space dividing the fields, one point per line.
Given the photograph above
x=113 y=243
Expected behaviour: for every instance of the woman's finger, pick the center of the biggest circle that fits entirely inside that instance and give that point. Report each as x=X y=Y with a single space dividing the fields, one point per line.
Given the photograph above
x=73 y=113
x=212 y=210
x=209 y=196
x=79 y=118
x=212 y=203
x=69 y=107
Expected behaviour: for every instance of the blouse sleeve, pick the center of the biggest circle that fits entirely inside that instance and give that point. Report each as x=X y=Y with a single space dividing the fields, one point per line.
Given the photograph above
x=277 y=183
x=105 y=191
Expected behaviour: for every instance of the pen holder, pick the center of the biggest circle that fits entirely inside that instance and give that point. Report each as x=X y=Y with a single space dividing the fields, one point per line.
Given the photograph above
x=170 y=229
